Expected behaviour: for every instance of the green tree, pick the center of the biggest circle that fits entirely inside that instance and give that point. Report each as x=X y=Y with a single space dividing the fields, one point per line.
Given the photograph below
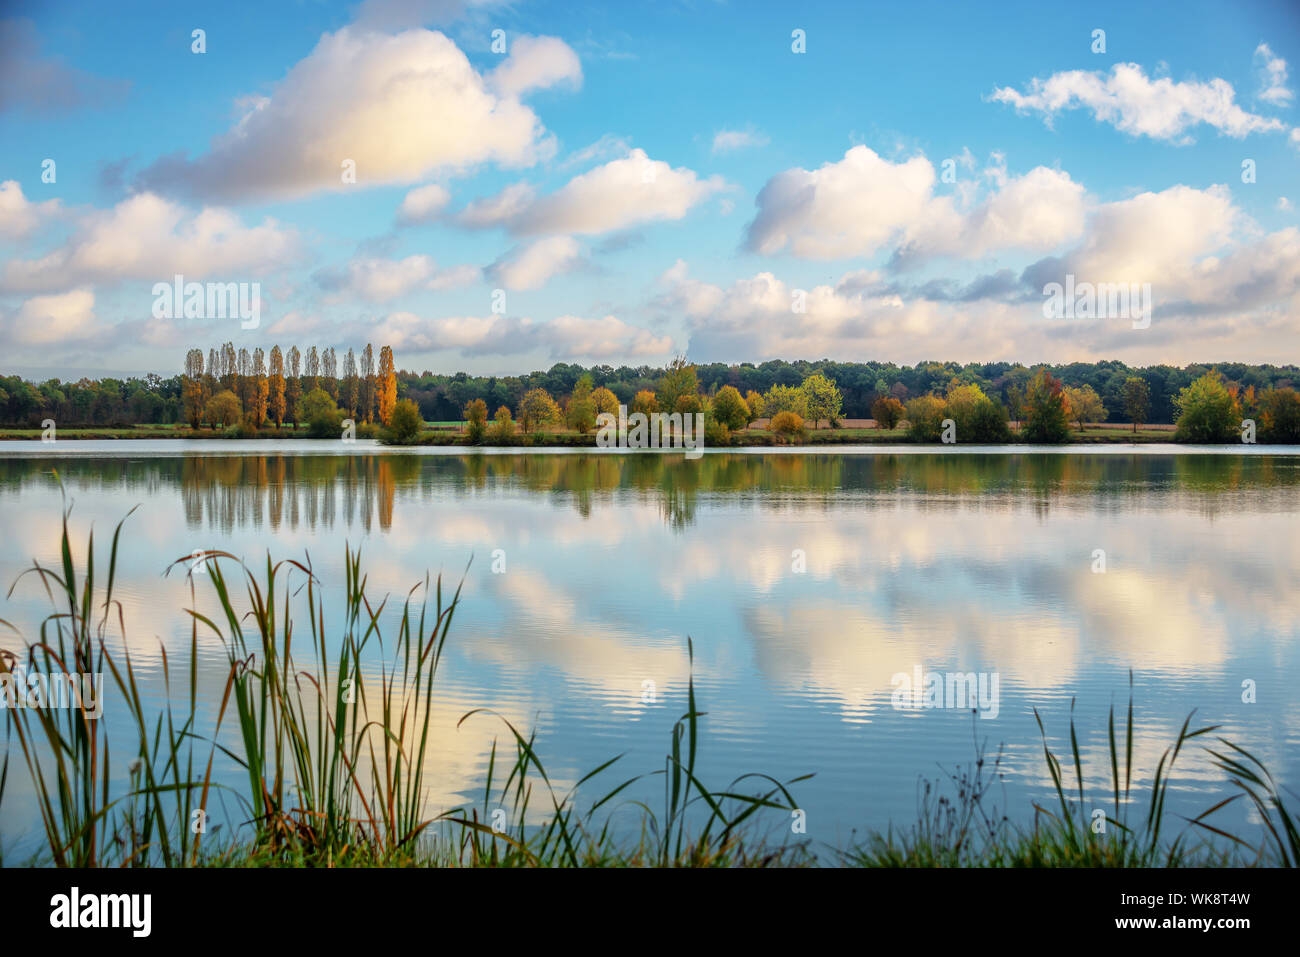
x=757 y=408
x=925 y=415
x=405 y=423
x=1207 y=411
x=730 y=409
x=1137 y=400
x=680 y=379
x=822 y=398
x=322 y=415
x=784 y=398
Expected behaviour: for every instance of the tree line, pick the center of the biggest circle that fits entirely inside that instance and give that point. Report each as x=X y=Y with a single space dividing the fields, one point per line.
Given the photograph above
x=442 y=397
x=256 y=389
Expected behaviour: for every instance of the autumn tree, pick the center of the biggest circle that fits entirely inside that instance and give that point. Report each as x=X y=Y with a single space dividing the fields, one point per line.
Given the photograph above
x=645 y=402
x=351 y=389
x=293 y=386
x=329 y=372
x=367 y=377
x=537 y=408
x=1085 y=405
x=388 y=385
x=193 y=392
x=887 y=411
x=476 y=420
x=259 y=390
x=275 y=402
x=311 y=372
x=604 y=400
x=223 y=409
x=757 y=408
x=1045 y=412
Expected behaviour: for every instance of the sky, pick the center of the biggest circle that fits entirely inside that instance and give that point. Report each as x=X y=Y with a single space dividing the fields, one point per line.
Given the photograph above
x=495 y=187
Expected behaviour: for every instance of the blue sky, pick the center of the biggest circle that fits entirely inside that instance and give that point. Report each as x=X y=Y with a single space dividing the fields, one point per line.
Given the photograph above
x=667 y=178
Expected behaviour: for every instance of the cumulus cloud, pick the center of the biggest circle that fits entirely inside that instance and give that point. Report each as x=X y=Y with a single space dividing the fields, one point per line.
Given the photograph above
x=1272 y=77
x=724 y=141
x=536 y=63
x=19 y=216
x=148 y=237
x=51 y=320
x=401 y=107
x=863 y=203
x=621 y=193
x=34 y=84
x=381 y=280
x=566 y=337
x=423 y=205
x=1130 y=101
x=531 y=265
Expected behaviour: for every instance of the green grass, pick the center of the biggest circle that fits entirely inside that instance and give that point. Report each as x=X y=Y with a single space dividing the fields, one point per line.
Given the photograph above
x=329 y=723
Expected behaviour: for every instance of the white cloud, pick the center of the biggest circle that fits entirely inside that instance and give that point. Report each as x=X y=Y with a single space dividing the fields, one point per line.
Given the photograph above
x=1126 y=98
x=536 y=63
x=564 y=338
x=725 y=141
x=864 y=203
x=51 y=320
x=530 y=266
x=423 y=204
x=380 y=280
x=1272 y=77
x=621 y=193
x=148 y=237
x=400 y=107
x=19 y=215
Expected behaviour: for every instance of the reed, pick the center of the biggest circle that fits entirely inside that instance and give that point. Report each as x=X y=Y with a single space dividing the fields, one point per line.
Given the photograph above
x=332 y=731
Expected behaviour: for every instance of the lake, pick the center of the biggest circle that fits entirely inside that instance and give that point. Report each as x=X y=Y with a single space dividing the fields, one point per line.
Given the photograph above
x=808 y=581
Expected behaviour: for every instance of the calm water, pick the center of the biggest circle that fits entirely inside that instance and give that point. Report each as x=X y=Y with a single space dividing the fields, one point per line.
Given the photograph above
x=807 y=581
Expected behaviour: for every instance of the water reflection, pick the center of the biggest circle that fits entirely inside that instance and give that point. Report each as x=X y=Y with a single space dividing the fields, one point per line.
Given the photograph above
x=951 y=562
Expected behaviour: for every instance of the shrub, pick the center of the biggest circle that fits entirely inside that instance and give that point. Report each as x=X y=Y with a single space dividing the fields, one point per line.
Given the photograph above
x=502 y=429
x=405 y=424
x=787 y=425
x=323 y=417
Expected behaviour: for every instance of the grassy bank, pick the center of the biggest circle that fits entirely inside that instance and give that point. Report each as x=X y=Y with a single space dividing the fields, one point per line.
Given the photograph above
x=330 y=726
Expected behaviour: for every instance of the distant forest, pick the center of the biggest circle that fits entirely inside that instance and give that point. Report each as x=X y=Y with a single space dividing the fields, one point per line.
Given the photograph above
x=153 y=399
